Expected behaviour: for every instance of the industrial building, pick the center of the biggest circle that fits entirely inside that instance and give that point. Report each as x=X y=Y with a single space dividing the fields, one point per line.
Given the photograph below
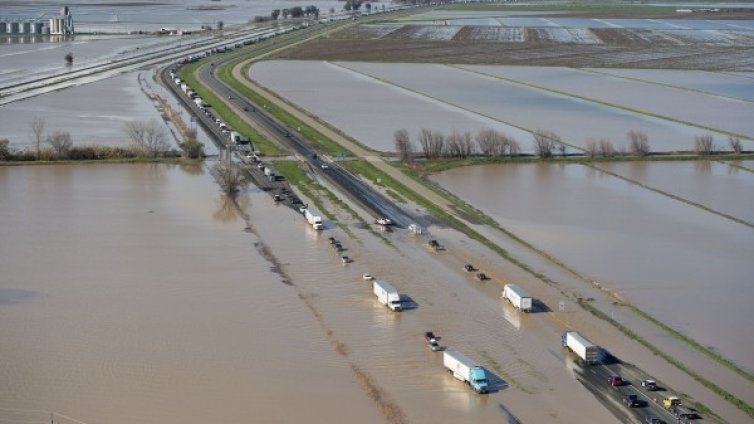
x=60 y=24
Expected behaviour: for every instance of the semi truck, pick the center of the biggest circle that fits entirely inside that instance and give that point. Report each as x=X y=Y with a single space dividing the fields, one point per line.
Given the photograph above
x=466 y=370
x=583 y=348
x=517 y=297
x=387 y=295
x=311 y=216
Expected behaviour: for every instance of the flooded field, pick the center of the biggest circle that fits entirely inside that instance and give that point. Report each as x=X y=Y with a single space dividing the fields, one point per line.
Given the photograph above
x=723 y=84
x=108 y=17
x=145 y=300
x=368 y=110
x=656 y=252
x=93 y=113
x=410 y=99
x=26 y=61
x=697 y=108
x=129 y=294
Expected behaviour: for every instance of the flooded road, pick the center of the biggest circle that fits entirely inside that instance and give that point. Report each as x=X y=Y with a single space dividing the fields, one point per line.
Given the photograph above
x=656 y=252
x=132 y=293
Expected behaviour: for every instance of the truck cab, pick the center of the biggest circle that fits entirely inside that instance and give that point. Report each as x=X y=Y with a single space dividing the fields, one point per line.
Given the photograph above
x=394 y=301
x=478 y=380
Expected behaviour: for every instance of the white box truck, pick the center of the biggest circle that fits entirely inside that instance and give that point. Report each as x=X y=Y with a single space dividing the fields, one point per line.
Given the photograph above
x=583 y=348
x=517 y=297
x=387 y=295
x=312 y=218
x=466 y=370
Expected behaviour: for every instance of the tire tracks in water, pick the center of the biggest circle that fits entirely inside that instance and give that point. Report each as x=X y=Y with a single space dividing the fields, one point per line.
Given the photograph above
x=384 y=405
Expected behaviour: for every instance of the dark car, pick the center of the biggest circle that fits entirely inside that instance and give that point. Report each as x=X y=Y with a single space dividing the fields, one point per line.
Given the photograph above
x=653 y=420
x=632 y=401
x=469 y=268
x=428 y=335
x=482 y=276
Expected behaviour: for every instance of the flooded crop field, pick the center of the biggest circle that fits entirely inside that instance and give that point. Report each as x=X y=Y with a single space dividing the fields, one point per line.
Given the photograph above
x=108 y=17
x=657 y=252
x=92 y=113
x=726 y=114
x=368 y=110
x=158 y=301
x=516 y=107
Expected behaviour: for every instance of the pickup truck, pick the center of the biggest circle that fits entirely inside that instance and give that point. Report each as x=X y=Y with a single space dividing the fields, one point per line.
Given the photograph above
x=650 y=385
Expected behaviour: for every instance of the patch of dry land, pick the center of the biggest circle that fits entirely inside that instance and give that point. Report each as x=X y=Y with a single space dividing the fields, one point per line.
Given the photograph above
x=369 y=101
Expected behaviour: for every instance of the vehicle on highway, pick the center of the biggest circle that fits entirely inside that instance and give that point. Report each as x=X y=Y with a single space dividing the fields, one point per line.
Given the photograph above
x=651 y=419
x=482 y=276
x=435 y=245
x=583 y=348
x=434 y=346
x=324 y=166
x=650 y=385
x=466 y=370
x=675 y=406
x=616 y=381
x=345 y=259
x=520 y=299
x=428 y=335
x=469 y=268
x=387 y=295
x=331 y=240
x=384 y=221
x=632 y=401
x=313 y=218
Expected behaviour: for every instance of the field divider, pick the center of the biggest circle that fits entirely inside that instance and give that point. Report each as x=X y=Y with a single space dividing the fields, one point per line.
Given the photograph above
x=493 y=118
x=662 y=84
x=600 y=102
x=669 y=195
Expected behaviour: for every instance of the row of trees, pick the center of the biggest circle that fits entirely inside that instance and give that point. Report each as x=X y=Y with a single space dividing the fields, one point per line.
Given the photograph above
x=148 y=139
x=296 y=12
x=491 y=143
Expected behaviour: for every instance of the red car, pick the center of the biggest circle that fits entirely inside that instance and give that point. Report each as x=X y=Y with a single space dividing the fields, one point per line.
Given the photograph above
x=615 y=380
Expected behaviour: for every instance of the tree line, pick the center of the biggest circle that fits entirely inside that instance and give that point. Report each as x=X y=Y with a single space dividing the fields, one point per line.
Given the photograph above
x=147 y=140
x=488 y=142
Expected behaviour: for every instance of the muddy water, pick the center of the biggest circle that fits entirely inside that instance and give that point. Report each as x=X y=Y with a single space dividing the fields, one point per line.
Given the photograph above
x=131 y=293
x=718 y=186
x=663 y=255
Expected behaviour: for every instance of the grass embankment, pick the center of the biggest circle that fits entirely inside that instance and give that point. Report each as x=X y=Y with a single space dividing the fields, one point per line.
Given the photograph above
x=261 y=143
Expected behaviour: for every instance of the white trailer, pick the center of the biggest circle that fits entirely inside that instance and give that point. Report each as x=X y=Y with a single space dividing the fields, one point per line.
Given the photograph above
x=583 y=348
x=465 y=370
x=311 y=217
x=200 y=103
x=517 y=297
x=387 y=295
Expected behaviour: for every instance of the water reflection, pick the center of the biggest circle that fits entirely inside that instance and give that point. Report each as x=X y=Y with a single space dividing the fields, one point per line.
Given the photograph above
x=192 y=168
x=703 y=167
x=229 y=208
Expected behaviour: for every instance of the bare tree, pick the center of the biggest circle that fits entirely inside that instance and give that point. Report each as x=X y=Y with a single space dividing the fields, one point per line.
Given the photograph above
x=606 y=148
x=453 y=145
x=5 y=151
x=220 y=25
x=466 y=145
x=735 y=144
x=486 y=139
x=637 y=143
x=425 y=142
x=403 y=145
x=61 y=142
x=514 y=149
x=704 y=144
x=591 y=147
x=437 y=145
x=148 y=135
x=230 y=176
x=544 y=143
x=37 y=127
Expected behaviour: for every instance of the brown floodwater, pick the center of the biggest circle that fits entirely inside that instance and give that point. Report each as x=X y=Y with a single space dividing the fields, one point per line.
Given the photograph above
x=130 y=293
x=135 y=293
x=665 y=256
